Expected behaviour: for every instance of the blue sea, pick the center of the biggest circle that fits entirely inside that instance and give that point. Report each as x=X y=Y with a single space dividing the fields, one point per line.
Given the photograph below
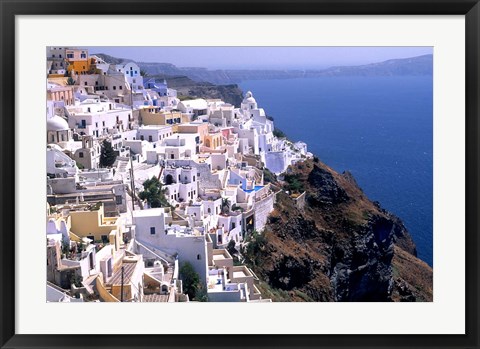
x=378 y=128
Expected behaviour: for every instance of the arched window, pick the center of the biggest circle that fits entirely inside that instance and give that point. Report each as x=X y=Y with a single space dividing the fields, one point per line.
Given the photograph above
x=168 y=179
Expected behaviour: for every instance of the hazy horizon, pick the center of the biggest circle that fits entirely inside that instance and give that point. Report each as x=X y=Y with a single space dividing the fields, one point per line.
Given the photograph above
x=237 y=57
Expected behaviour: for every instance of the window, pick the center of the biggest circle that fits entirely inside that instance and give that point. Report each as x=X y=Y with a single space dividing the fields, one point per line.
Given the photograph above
x=199 y=257
x=69 y=55
x=80 y=154
x=53 y=138
x=96 y=83
x=194 y=178
x=120 y=87
x=209 y=210
x=103 y=123
x=152 y=230
x=85 y=83
x=150 y=139
x=53 y=56
x=104 y=239
x=60 y=56
x=83 y=55
x=96 y=124
x=142 y=138
x=114 y=87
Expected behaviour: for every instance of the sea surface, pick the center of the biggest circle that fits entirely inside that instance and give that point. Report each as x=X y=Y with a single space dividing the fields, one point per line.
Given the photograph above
x=378 y=128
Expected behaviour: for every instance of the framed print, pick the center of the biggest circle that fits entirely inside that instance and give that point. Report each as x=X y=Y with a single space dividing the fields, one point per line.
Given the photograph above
x=316 y=160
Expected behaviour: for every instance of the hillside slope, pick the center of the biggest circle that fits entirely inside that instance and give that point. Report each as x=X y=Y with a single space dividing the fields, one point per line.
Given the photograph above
x=339 y=247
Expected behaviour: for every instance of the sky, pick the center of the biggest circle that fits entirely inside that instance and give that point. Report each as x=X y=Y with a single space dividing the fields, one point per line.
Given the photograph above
x=261 y=57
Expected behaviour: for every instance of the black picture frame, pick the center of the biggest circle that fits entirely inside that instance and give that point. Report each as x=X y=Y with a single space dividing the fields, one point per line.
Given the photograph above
x=10 y=9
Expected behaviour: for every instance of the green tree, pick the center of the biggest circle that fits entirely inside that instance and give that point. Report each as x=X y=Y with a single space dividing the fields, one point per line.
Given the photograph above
x=70 y=81
x=278 y=133
x=154 y=193
x=231 y=248
x=190 y=279
x=293 y=183
x=143 y=73
x=269 y=176
x=254 y=248
x=225 y=205
x=201 y=295
x=107 y=155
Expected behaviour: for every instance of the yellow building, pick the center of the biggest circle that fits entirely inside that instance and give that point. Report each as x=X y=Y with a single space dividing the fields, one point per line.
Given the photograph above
x=155 y=116
x=201 y=129
x=213 y=140
x=78 y=60
x=94 y=225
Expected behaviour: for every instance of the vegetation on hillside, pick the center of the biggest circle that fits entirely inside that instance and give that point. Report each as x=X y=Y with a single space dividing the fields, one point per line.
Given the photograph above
x=107 y=154
x=191 y=283
x=154 y=193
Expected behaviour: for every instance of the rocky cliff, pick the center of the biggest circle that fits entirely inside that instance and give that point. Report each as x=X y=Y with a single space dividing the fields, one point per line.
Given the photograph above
x=339 y=246
x=187 y=88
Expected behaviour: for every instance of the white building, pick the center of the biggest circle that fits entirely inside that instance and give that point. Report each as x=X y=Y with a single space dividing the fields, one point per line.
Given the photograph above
x=181 y=183
x=189 y=245
x=96 y=118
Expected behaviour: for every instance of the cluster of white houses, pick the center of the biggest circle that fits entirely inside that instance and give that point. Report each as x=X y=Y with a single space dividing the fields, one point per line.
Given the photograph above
x=103 y=243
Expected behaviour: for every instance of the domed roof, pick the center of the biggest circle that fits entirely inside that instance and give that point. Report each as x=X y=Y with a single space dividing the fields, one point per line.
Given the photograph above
x=249 y=98
x=57 y=123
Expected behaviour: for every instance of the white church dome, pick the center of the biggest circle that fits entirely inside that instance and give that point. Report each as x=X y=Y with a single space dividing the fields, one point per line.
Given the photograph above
x=249 y=98
x=57 y=123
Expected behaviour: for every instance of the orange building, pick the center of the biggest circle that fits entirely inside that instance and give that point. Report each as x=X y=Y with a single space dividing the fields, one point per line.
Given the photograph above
x=78 y=60
x=213 y=140
x=200 y=128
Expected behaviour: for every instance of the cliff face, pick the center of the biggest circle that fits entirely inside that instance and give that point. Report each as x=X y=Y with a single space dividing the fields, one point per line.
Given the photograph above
x=188 y=88
x=339 y=247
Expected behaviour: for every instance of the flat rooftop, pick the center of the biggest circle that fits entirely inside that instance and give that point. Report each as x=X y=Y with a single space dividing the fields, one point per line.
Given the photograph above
x=239 y=274
x=151 y=212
